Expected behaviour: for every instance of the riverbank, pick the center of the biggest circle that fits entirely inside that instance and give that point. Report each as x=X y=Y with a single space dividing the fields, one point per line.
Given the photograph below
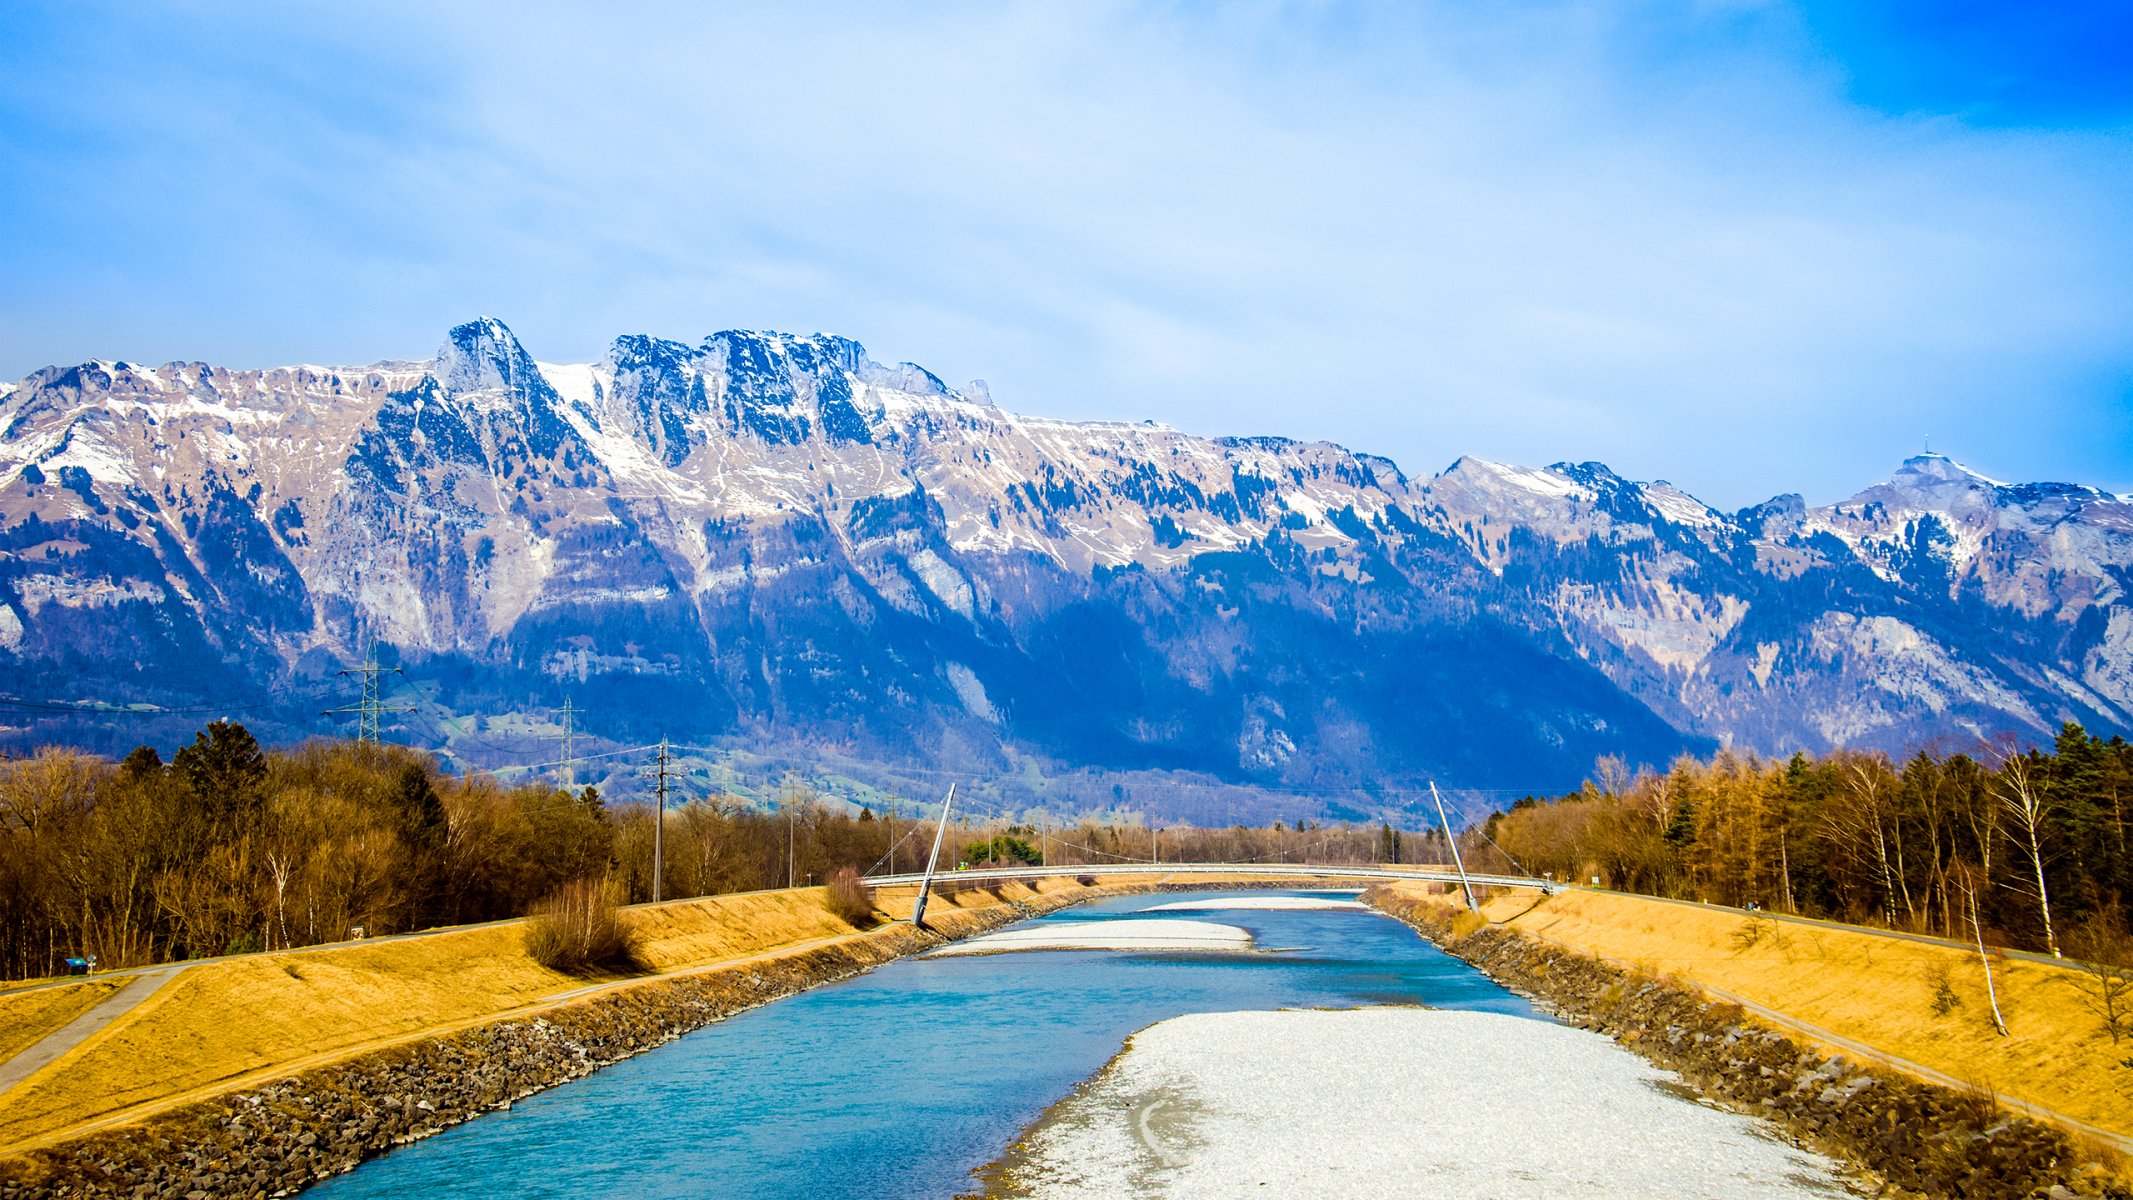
x=1920 y=1138
x=319 y=1111
x=1393 y=1102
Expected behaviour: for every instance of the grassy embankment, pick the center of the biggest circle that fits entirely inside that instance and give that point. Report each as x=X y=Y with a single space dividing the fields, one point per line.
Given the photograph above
x=26 y=1017
x=235 y=1022
x=1922 y=1002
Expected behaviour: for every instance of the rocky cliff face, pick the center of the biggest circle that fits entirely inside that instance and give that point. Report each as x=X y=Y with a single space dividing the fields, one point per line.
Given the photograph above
x=762 y=538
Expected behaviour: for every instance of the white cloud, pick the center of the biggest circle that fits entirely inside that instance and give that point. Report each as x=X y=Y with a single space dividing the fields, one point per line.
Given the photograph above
x=1653 y=236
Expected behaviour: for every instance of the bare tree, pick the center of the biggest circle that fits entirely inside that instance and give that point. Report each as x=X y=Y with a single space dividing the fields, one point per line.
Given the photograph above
x=2104 y=977
x=1970 y=881
x=1857 y=819
x=2028 y=812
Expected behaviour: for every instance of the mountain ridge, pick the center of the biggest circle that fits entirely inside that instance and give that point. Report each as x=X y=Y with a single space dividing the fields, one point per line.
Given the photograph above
x=771 y=538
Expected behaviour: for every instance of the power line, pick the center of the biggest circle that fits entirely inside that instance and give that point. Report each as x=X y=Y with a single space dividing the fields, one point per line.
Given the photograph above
x=1550 y=789
x=579 y=758
x=101 y=708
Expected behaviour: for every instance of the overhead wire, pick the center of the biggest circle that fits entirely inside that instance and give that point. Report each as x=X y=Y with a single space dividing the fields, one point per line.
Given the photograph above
x=272 y=699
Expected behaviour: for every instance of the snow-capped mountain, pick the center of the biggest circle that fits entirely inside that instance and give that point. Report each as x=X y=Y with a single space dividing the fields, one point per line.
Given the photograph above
x=762 y=538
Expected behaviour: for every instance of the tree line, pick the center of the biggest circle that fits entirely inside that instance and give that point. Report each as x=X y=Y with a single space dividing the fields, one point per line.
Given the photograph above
x=231 y=847
x=2024 y=846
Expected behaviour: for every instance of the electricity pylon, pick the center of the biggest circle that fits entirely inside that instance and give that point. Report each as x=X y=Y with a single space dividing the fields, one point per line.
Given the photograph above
x=372 y=707
x=570 y=769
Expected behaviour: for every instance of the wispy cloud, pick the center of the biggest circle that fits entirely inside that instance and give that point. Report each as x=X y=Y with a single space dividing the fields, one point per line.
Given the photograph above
x=1674 y=237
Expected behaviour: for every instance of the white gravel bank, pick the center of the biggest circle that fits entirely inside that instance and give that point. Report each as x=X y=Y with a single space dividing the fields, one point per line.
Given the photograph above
x=1246 y=903
x=1395 y=1102
x=1124 y=934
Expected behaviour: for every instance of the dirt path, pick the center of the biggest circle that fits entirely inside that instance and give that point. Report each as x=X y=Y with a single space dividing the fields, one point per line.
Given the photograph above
x=42 y=1053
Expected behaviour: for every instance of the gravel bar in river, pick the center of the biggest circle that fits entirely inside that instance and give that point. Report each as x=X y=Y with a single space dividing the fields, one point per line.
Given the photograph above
x=1395 y=1102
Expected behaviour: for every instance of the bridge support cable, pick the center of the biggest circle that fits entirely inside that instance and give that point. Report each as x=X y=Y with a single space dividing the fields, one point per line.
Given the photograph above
x=925 y=884
x=887 y=854
x=1465 y=884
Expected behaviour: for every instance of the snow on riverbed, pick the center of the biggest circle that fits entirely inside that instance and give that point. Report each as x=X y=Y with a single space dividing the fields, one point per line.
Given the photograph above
x=1124 y=934
x=1395 y=1102
x=1257 y=902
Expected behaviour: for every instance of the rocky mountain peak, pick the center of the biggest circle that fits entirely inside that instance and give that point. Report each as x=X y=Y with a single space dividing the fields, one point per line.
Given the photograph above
x=483 y=355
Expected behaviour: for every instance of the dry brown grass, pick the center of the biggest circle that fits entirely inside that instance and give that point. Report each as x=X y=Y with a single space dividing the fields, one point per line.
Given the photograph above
x=1880 y=991
x=222 y=1021
x=26 y=1018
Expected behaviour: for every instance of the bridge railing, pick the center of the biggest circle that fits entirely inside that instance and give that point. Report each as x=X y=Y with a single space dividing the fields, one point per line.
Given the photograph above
x=1240 y=870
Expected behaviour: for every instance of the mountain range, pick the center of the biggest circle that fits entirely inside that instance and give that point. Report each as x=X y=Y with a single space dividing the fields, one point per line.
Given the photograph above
x=773 y=547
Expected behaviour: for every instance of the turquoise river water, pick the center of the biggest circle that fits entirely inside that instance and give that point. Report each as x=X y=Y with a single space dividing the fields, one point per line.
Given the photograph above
x=901 y=1082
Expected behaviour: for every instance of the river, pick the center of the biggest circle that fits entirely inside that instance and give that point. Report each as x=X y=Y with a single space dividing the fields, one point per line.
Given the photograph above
x=901 y=1082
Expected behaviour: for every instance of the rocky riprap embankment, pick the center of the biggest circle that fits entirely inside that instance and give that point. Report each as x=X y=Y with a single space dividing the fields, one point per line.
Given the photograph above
x=1914 y=1138
x=278 y=1138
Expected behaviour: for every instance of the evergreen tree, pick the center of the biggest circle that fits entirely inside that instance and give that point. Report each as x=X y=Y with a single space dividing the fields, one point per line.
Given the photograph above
x=1681 y=823
x=225 y=768
x=419 y=806
x=143 y=763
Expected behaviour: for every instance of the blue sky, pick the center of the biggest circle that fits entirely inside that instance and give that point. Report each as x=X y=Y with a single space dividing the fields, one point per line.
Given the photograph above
x=1748 y=247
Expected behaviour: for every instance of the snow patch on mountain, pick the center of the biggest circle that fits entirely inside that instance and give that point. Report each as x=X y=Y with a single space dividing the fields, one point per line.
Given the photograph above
x=1679 y=507
x=582 y=385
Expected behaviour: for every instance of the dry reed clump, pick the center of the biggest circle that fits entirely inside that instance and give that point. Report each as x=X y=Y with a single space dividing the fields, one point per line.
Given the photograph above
x=580 y=930
x=851 y=899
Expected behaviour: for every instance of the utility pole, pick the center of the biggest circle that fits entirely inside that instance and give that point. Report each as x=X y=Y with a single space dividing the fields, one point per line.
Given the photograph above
x=1464 y=883
x=371 y=707
x=570 y=773
x=659 y=826
x=892 y=833
x=925 y=883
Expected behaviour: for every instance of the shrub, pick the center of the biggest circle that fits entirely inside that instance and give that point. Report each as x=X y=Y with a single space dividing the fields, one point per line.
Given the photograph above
x=1085 y=880
x=1945 y=999
x=851 y=899
x=1466 y=923
x=1752 y=932
x=580 y=930
x=2104 y=976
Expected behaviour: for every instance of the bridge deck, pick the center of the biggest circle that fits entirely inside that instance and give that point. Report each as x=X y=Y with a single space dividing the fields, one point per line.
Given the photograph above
x=1240 y=870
